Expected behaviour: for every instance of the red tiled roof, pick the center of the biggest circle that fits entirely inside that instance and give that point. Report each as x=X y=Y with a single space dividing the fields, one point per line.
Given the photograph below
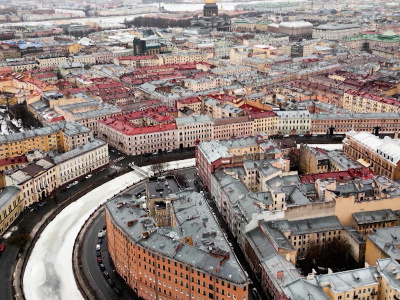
x=350 y=174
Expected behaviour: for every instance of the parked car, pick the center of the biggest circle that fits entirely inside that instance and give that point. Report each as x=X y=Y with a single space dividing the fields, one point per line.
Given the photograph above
x=101 y=233
x=102 y=267
x=42 y=204
x=88 y=176
x=255 y=294
x=118 y=291
x=98 y=247
x=110 y=282
x=1 y=248
x=63 y=190
x=100 y=241
x=75 y=182
x=99 y=260
x=98 y=253
x=106 y=275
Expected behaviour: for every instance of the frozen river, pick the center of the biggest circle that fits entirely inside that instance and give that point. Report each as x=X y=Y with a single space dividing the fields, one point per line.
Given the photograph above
x=114 y=20
x=48 y=274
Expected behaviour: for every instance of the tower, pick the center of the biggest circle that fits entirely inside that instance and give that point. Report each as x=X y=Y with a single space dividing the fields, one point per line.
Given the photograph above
x=210 y=8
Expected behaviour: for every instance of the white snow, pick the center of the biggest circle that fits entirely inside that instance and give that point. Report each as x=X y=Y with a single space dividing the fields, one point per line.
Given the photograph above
x=48 y=273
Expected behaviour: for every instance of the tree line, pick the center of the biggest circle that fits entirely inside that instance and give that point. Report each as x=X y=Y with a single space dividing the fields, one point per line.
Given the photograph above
x=157 y=22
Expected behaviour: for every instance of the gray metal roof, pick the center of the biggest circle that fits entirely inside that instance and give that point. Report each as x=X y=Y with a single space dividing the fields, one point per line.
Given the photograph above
x=90 y=146
x=194 y=219
x=376 y=216
x=7 y=195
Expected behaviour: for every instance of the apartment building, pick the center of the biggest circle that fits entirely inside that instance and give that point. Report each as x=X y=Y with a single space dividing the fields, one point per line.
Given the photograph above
x=366 y=222
x=382 y=155
x=51 y=60
x=362 y=102
x=382 y=243
x=157 y=262
x=303 y=233
x=335 y=31
x=81 y=161
x=88 y=113
x=345 y=122
x=133 y=140
x=213 y=155
x=194 y=129
x=194 y=104
x=218 y=110
x=60 y=137
x=313 y=160
x=233 y=127
x=294 y=122
x=265 y=122
x=36 y=180
x=11 y=205
x=181 y=58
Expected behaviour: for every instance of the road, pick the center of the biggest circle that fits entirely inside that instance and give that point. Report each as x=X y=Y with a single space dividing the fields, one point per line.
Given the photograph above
x=30 y=217
x=91 y=267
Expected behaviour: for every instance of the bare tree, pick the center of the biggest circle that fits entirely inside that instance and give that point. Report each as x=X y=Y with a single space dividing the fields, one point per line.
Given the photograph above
x=180 y=178
x=158 y=168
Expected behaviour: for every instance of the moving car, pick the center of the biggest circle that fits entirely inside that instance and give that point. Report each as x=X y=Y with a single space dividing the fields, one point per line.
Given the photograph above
x=118 y=291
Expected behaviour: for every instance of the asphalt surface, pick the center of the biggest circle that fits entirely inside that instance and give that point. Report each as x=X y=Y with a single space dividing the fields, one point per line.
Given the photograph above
x=91 y=268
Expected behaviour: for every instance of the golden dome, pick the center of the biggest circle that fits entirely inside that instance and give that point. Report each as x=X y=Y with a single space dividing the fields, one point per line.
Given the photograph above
x=210 y=1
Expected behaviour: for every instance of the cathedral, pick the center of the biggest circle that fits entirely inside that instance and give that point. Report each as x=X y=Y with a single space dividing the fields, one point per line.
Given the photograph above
x=211 y=20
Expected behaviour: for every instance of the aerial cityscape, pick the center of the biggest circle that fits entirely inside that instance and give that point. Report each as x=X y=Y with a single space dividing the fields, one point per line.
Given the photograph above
x=200 y=149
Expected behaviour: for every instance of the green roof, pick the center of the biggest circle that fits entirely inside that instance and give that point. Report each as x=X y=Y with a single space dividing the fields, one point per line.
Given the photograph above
x=374 y=37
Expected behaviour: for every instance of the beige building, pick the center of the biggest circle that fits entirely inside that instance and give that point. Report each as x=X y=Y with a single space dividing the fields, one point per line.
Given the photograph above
x=383 y=155
x=11 y=205
x=36 y=181
x=364 y=102
x=312 y=160
x=232 y=127
x=138 y=140
x=60 y=137
x=81 y=161
x=335 y=31
x=88 y=113
x=181 y=58
x=194 y=129
x=265 y=122
x=366 y=222
x=219 y=110
x=50 y=61
x=294 y=122
x=383 y=243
